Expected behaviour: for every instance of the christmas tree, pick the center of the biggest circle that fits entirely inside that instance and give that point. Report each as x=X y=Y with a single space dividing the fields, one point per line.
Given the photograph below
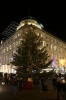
x=31 y=56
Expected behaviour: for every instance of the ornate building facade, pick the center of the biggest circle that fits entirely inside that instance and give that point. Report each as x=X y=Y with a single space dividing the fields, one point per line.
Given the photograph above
x=56 y=48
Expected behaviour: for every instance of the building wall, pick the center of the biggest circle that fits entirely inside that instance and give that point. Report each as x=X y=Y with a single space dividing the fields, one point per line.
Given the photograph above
x=55 y=47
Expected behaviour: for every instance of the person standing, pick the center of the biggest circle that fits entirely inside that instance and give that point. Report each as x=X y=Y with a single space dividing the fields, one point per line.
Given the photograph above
x=64 y=88
x=15 y=85
x=59 y=89
x=20 y=84
x=42 y=83
x=54 y=82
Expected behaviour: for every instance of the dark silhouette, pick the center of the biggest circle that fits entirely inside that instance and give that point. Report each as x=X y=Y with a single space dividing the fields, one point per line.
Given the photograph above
x=6 y=78
x=43 y=83
x=20 y=84
x=59 y=89
x=54 y=79
x=64 y=88
x=60 y=75
x=15 y=85
x=54 y=82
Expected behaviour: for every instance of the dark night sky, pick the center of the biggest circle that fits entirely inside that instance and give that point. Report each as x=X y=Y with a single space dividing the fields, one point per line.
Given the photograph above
x=51 y=14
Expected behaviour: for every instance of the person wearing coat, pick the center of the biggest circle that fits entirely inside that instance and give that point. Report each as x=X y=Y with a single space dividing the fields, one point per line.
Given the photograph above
x=20 y=84
x=64 y=88
x=59 y=89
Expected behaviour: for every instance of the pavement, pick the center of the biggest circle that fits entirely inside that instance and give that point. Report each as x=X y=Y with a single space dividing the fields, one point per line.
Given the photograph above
x=6 y=93
x=35 y=95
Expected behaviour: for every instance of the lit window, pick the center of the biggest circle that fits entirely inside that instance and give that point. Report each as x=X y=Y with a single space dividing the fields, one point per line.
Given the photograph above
x=41 y=35
x=14 y=51
x=56 y=55
x=20 y=40
x=6 y=57
x=15 y=36
x=4 y=51
x=38 y=34
x=29 y=23
x=54 y=47
x=61 y=49
x=59 y=56
x=6 y=48
x=52 y=40
x=52 y=55
x=10 y=47
x=51 y=46
x=19 y=34
x=26 y=32
x=44 y=43
x=16 y=43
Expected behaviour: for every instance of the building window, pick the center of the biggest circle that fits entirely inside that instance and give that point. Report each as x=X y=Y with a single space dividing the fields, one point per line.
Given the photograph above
x=51 y=40
x=44 y=43
x=47 y=44
x=38 y=34
x=10 y=47
x=14 y=44
x=59 y=56
x=20 y=40
x=51 y=46
x=54 y=47
x=19 y=34
x=15 y=36
x=61 y=49
x=6 y=48
x=58 y=49
x=6 y=57
x=4 y=51
x=56 y=55
x=14 y=51
x=41 y=35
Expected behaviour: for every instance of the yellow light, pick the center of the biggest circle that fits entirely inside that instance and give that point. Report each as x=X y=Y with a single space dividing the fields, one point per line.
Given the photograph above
x=62 y=62
x=30 y=79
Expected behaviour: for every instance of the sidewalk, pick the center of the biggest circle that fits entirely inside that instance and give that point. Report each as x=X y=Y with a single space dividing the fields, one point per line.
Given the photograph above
x=6 y=93
x=35 y=95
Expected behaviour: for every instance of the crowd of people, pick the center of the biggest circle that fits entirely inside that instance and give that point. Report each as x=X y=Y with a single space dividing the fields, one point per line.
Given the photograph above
x=14 y=81
x=59 y=83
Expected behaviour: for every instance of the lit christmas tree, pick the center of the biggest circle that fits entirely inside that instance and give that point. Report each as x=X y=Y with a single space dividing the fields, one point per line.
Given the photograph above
x=30 y=56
